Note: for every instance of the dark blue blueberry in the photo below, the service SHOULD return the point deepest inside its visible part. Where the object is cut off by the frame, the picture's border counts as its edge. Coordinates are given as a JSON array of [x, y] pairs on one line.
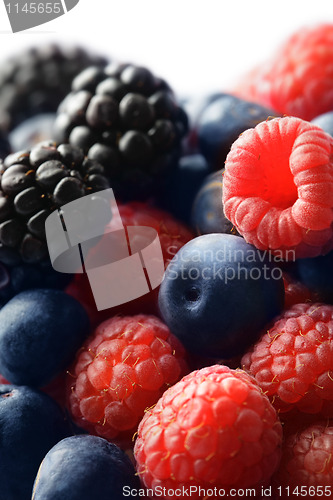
[[183, 185], [194, 107], [85, 468], [207, 214], [222, 122], [325, 121], [30, 424], [40, 332], [218, 293], [317, 275]]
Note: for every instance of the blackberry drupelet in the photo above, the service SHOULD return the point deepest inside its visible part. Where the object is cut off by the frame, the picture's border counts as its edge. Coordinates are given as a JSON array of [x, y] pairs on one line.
[[127, 119], [35, 81], [33, 184]]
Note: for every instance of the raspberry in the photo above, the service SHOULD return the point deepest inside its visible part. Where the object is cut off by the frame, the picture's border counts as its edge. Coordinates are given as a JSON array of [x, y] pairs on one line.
[[278, 187], [295, 292], [172, 234], [298, 81], [122, 369], [292, 362], [214, 428], [306, 461]]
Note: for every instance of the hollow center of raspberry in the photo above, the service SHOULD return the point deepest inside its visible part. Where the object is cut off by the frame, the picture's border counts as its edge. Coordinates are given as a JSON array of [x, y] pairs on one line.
[[278, 183]]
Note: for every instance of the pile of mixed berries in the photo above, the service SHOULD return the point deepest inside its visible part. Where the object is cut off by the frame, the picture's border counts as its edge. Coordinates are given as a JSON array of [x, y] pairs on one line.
[[218, 381]]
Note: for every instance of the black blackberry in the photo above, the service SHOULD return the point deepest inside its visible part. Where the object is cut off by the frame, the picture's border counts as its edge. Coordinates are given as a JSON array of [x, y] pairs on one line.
[[33, 184], [127, 119], [37, 80]]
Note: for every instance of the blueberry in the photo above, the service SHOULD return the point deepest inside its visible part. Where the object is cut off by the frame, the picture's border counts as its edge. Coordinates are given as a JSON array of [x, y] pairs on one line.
[[207, 211], [31, 423], [85, 468], [218, 293], [325, 121], [222, 121], [183, 185], [195, 105], [40, 331], [317, 275]]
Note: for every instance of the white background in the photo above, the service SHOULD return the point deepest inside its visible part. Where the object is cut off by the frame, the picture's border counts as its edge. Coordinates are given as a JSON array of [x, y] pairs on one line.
[[198, 46]]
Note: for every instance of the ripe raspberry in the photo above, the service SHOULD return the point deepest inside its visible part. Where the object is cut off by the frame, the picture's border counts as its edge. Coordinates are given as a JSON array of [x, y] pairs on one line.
[[278, 187], [172, 234], [306, 461], [293, 361], [298, 80], [295, 292], [122, 369], [214, 428]]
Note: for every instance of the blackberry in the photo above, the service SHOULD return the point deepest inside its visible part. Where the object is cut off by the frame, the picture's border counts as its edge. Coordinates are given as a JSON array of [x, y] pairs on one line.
[[127, 119], [34, 183], [38, 79]]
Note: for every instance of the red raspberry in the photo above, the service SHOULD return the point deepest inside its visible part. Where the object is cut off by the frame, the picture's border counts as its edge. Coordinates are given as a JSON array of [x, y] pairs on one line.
[[298, 80], [295, 292], [293, 361], [122, 369], [306, 465], [278, 187], [214, 428], [172, 234]]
